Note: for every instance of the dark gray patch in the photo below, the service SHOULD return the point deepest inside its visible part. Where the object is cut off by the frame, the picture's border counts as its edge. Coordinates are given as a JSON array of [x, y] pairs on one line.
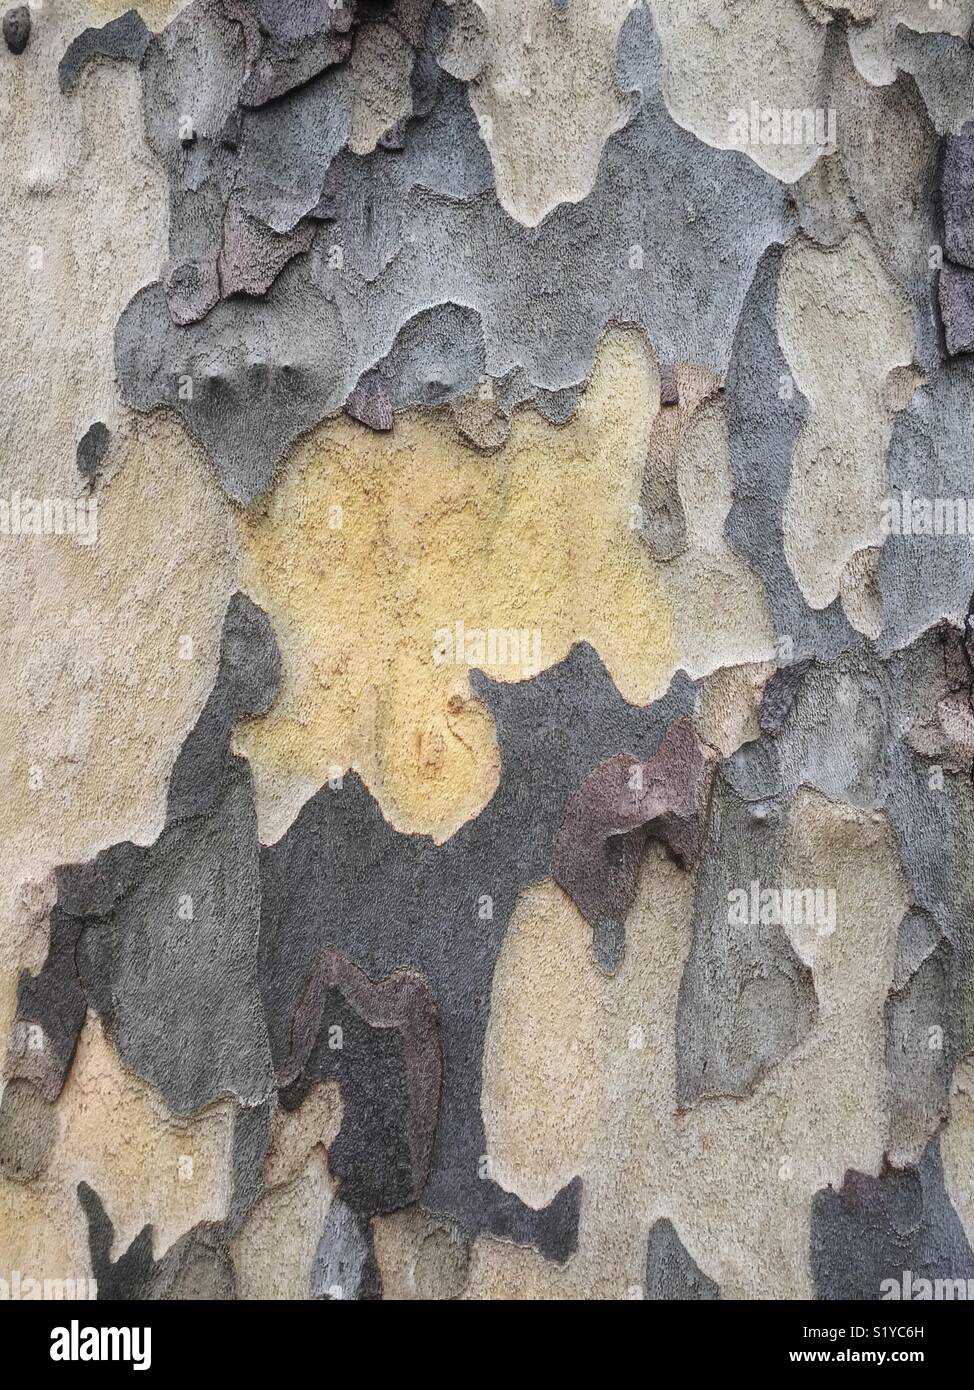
[[897, 205], [341, 871], [942, 65], [608, 943], [957, 189], [516, 389], [437, 356], [916, 941], [671, 1272], [874, 1229], [779, 693], [754, 772], [122, 40], [288, 147], [924, 579], [247, 681], [837, 733], [91, 451], [252, 256], [463, 52], [172, 969], [933, 817], [388, 1067], [669, 391], [957, 308], [51, 1009], [345, 1266], [131, 1276], [251, 1132], [282, 67], [244, 383], [746, 999], [919, 1054], [16, 28]]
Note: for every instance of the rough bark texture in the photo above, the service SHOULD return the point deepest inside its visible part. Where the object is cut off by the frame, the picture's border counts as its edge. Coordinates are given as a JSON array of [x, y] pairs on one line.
[[487, 719]]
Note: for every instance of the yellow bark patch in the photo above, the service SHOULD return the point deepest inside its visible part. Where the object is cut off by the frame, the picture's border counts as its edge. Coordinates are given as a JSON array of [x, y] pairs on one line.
[[156, 13], [373, 547]]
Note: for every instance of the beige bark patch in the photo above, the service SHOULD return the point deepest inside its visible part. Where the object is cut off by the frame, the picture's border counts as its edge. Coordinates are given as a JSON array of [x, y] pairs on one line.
[[729, 703], [844, 327], [547, 100], [156, 13], [420, 1256], [295, 1133], [99, 691], [872, 45], [736, 1177], [860, 592], [115, 1133], [381, 65], [957, 1147], [720, 56], [274, 1251], [721, 607], [537, 1118]]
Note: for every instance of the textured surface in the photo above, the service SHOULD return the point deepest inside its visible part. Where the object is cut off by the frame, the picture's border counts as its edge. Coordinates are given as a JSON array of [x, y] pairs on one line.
[[488, 708]]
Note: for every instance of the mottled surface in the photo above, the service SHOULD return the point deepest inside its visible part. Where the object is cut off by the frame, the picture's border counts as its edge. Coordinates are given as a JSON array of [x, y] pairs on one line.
[[488, 700]]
